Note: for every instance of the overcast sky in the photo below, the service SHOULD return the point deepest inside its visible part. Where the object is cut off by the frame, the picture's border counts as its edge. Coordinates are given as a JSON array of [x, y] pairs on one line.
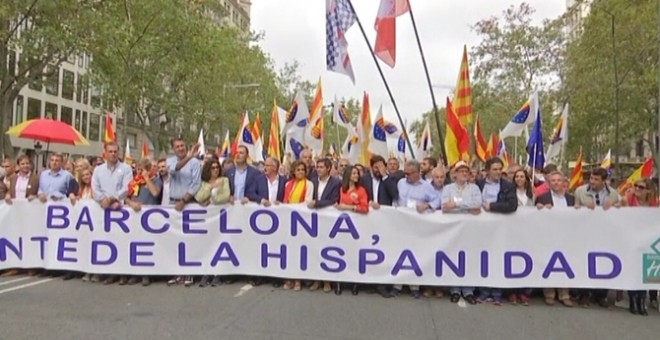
[[295, 30]]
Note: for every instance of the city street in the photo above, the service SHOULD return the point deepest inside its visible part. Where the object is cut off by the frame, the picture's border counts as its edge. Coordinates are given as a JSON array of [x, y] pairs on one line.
[[49, 308]]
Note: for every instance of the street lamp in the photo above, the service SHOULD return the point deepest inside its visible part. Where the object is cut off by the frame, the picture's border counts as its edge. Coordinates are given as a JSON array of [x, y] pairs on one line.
[[37, 150]]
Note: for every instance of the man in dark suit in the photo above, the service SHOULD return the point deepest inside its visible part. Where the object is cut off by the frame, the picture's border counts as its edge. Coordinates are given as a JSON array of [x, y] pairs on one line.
[[557, 197], [498, 195], [381, 188], [244, 180], [326, 187], [272, 183]]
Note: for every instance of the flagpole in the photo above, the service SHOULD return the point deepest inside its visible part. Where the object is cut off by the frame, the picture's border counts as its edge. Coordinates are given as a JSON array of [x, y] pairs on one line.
[[382, 76], [428, 81]]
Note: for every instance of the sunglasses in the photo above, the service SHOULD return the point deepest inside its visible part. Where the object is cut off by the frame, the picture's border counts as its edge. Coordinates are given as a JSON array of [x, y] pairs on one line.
[[597, 199], [640, 187], [215, 167]]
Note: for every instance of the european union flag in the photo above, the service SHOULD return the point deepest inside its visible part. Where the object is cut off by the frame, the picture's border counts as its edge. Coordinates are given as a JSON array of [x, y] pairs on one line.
[[401, 144], [247, 136], [535, 144], [296, 147], [521, 116]]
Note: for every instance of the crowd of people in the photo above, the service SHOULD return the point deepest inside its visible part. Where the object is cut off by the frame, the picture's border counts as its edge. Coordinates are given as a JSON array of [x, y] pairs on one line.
[[323, 183]]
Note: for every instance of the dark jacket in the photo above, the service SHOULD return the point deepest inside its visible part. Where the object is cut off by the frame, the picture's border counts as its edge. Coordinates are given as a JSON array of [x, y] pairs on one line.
[[263, 186], [387, 190], [252, 179], [507, 200], [546, 199], [330, 195]]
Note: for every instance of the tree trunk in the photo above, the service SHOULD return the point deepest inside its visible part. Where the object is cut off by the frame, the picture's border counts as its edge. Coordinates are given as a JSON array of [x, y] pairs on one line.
[[6, 103]]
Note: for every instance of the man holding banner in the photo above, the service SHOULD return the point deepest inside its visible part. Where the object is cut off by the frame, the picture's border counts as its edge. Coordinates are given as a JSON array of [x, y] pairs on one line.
[[185, 175]]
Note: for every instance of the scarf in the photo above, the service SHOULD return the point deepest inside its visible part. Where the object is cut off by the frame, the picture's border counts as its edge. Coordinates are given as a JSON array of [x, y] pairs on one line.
[[295, 190], [134, 185]]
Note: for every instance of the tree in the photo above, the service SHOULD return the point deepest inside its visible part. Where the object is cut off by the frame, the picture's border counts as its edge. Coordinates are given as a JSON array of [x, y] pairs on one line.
[[623, 33], [45, 34]]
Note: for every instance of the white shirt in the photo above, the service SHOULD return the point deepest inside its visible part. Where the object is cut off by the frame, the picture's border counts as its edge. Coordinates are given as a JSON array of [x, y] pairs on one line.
[[21, 185], [522, 197], [375, 184], [166, 192], [558, 200], [272, 188], [321, 188]]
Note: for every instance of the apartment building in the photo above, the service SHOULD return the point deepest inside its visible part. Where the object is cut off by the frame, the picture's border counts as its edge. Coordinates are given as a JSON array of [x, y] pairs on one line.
[[68, 96]]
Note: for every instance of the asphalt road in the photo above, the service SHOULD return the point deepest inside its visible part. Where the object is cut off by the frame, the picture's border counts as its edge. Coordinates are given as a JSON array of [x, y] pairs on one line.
[[43, 308]]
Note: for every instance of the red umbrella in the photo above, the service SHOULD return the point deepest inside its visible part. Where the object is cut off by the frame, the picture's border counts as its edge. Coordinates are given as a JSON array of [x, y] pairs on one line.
[[48, 130]]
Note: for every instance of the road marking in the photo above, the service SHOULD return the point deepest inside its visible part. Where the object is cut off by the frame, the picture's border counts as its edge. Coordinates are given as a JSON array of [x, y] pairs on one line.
[[14, 280], [24, 286], [242, 291]]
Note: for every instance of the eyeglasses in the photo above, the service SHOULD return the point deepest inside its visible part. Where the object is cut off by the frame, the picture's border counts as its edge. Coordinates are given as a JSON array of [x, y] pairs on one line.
[[640, 187], [408, 173], [215, 167]]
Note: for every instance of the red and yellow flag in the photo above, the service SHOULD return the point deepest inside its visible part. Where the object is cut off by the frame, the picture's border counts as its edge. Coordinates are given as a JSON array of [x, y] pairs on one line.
[[457, 140], [145, 149], [493, 149], [463, 92], [365, 120], [317, 103], [109, 135], [576, 175], [645, 170], [234, 145], [274, 136], [481, 147]]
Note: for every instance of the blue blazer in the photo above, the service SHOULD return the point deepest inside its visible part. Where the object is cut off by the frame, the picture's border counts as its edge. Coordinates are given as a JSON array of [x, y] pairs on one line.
[[252, 179], [263, 186], [330, 194]]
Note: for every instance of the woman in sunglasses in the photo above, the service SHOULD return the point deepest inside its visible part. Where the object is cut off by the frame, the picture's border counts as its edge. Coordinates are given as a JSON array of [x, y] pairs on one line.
[[644, 195]]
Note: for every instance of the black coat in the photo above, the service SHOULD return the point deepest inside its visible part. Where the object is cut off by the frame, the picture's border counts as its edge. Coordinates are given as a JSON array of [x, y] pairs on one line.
[[330, 194], [507, 200], [387, 191], [546, 199]]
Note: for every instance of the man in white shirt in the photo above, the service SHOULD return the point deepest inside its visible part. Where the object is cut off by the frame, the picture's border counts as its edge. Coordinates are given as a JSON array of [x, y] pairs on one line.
[[273, 182]]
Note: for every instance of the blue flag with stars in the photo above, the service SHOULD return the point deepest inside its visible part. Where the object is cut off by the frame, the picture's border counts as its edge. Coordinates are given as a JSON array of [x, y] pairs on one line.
[[535, 144]]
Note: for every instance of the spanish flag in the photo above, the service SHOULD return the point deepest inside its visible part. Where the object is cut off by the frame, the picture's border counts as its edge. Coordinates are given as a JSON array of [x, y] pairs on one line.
[[109, 135], [365, 123], [224, 150], [457, 140], [463, 92], [145, 149], [645, 170], [576, 175], [274, 136], [481, 147]]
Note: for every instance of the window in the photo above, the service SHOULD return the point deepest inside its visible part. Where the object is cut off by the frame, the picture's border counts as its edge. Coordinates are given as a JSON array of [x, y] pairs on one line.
[[76, 121], [18, 116], [67, 84], [639, 148], [94, 127], [83, 125], [36, 84], [66, 115], [96, 97], [12, 62], [53, 81], [33, 108], [51, 111], [85, 90], [79, 87]]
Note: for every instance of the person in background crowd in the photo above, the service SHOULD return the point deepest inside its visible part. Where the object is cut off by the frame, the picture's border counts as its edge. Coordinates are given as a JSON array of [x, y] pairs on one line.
[[99, 161], [259, 166], [381, 189], [497, 196], [645, 195], [343, 164], [161, 166], [473, 176], [524, 191], [545, 186], [360, 169], [80, 165], [285, 167], [415, 193], [3, 186], [556, 196], [334, 171], [54, 182], [244, 180], [297, 190], [214, 190], [354, 198], [9, 165], [462, 197], [593, 194], [394, 169], [511, 171], [110, 184], [68, 166], [144, 189], [227, 164], [438, 179], [306, 157], [426, 166], [185, 179], [325, 194]]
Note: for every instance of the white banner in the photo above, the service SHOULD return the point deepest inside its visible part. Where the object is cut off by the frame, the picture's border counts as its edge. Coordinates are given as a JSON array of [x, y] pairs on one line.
[[617, 249]]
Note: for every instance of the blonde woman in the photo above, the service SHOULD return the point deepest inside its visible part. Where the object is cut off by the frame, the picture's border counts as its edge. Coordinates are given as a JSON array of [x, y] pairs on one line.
[[297, 190]]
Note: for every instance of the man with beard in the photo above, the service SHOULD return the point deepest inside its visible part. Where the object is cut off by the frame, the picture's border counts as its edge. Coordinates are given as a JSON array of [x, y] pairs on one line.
[[381, 188], [426, 166], [161, 167]]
